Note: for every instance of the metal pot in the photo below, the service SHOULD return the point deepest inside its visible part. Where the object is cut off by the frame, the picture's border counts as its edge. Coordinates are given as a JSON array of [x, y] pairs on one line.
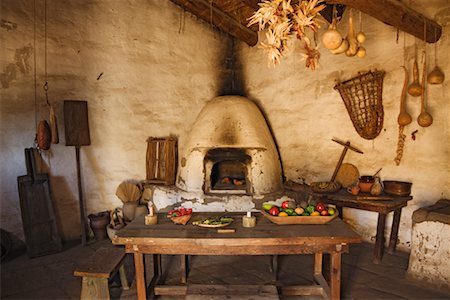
[[397, 188]]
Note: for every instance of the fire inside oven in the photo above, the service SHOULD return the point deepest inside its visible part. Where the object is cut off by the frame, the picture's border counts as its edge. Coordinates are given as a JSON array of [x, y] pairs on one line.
[[229, 170]]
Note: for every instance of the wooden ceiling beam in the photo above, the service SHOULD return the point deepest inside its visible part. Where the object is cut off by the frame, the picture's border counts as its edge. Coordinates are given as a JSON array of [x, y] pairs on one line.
[[204, 10], [397, 14]]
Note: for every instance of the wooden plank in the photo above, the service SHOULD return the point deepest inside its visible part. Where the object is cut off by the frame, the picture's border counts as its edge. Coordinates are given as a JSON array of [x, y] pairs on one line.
[[397, 14], [320, 280], [210, 13], [76, 123], [102, 264], [36, 206], [190, 249], [305, 290], [261, 291]]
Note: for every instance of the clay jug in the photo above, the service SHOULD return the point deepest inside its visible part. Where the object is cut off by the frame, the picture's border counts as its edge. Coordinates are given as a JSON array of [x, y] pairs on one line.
[[376, 187], [98, 224]]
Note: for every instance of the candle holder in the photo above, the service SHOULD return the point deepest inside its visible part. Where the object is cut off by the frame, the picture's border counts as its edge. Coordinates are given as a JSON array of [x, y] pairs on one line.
[[249, 220], [151, 220]]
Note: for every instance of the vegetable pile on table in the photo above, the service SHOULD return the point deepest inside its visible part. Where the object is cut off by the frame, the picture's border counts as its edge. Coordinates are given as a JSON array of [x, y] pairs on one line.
[[179, 212], [290, 208]]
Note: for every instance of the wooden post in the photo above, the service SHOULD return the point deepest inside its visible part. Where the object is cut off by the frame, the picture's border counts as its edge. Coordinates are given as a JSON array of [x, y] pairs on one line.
[[335, 276], [140, 276], [394, 231], [81, 200], [94, 288], [379, 241]]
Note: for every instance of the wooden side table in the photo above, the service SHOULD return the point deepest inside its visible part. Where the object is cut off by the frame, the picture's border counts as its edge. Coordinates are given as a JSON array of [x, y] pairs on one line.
[[383, 204]]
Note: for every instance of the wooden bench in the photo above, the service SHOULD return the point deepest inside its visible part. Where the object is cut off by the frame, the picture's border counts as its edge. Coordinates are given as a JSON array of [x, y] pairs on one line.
[[96, 272]]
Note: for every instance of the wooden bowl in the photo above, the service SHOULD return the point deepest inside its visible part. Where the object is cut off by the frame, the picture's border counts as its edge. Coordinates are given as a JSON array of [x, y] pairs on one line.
[[397, 188], [181, 219], [290, 220]]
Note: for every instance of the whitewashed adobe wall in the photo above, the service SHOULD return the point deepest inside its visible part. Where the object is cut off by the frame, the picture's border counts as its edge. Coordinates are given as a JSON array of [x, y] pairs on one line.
[[146, 68], [305, 113]]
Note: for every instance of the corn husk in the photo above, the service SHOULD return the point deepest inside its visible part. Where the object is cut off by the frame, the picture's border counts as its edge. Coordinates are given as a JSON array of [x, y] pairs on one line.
[[128, 192]]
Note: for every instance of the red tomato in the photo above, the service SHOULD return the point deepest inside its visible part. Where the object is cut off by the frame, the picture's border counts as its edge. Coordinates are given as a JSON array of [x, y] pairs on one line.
[[285, 204], [274, 211], [324, 212], [321, 207]]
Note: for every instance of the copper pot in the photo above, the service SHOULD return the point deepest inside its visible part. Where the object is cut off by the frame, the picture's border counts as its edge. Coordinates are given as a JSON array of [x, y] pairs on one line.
[[397, 188]]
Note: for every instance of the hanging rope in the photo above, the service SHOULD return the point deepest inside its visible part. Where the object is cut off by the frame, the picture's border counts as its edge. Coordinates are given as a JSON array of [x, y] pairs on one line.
[[34, 65], [45, 53]]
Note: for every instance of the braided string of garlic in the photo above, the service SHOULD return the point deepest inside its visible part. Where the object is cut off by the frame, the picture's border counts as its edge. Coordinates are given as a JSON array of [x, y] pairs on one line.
[[400, 145]]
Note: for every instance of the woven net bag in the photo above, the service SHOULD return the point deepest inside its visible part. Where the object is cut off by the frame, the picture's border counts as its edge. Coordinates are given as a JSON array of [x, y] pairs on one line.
[[362, 96]]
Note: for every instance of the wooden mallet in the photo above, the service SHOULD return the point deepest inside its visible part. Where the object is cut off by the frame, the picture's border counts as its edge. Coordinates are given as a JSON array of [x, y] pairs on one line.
[[341, 159]]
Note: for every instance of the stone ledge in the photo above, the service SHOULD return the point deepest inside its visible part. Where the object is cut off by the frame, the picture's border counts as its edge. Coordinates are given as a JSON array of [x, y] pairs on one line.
[[438, 212]]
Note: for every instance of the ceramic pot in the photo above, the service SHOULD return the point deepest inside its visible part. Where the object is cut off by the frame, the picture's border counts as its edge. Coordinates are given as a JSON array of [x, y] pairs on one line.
[[141, 210], [128, 210], [98, 224], [366, 183]]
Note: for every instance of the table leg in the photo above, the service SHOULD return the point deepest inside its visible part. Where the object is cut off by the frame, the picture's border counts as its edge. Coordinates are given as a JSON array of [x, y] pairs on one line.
[[379, 241], [184, 268], [394, 231], [335, 275], [140, 275], [341, 212], [318, 259]]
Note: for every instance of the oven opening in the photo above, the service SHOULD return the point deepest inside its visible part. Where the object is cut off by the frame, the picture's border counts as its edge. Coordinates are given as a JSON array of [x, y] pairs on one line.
[[227, 171]]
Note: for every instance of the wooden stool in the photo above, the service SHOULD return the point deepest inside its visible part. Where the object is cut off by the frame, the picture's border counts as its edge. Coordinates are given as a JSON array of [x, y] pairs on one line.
[[101, 266]]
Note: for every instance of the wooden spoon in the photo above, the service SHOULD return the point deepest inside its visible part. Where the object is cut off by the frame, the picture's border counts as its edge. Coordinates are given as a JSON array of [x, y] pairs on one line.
[[424, 119], [404, 118]]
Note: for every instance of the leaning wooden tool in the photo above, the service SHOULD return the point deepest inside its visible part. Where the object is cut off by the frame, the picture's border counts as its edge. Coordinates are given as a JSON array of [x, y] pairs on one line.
[[344, 152], [76, 127]]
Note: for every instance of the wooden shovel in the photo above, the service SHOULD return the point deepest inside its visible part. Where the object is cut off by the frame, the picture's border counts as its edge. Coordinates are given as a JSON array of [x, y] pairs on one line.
[[76, 127]]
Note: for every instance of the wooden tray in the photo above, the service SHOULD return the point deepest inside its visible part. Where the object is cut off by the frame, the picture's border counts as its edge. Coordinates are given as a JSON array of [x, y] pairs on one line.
[[299, 219]]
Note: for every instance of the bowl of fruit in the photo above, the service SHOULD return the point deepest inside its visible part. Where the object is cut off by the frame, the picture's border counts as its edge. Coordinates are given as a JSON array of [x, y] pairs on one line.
[[305, 213], [180, 215]]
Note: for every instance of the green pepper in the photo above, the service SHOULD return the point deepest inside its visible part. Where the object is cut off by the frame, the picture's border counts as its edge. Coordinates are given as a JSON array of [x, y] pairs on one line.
[[310, 208]]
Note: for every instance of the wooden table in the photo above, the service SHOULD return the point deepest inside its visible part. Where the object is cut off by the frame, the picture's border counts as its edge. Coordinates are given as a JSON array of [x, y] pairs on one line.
[[383, 204], [264, 239]]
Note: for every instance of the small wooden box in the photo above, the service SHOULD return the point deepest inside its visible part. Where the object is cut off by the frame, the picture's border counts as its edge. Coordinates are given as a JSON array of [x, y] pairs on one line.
[[161, 160]]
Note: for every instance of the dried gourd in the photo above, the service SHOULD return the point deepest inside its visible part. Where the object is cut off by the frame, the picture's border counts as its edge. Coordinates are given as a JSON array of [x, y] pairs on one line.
[[43, 135], [342, 48], [415, 89], [332, 39], [404, 118], [352, 42]]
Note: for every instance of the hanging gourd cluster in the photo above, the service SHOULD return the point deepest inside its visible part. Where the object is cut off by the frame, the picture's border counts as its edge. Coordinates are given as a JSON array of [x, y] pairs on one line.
[[351, 44], [283, 22], [416, 89]]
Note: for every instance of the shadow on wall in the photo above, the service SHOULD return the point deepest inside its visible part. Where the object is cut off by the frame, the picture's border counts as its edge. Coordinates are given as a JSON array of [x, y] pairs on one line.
[[232, 82]]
